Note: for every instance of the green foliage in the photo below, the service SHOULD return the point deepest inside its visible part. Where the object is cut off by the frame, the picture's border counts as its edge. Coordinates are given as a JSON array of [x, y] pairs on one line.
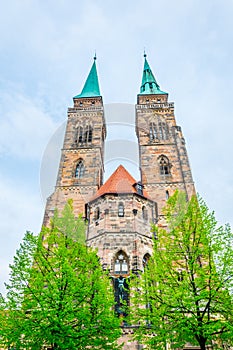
[[12, 316], [185, 293], [68, 224], [58, 295]]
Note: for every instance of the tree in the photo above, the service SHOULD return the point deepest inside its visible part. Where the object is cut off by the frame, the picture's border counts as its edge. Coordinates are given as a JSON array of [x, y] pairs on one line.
[[58, 295], [185, 292]]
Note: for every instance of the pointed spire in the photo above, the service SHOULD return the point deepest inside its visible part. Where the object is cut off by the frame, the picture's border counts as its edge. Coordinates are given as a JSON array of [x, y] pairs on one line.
[[149, 84], [91, 86]]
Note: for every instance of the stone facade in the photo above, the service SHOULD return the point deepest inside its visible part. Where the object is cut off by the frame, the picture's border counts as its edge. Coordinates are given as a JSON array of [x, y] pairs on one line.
[[163, 159], [121, 211], [84, 141], [131, 232]]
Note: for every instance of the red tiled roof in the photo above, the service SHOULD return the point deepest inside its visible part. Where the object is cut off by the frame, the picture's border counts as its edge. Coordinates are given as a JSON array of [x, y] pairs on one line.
[[119, 182]]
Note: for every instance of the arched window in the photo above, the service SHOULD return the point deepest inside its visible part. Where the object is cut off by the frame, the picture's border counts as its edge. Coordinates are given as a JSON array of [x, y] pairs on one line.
[[153, 132], [167, 195], [84, 135], [160, 130], [145, 260], [121, 263], [88, 134], [164, 165], [121, 210], [79, 171], [144, 213], [163, 131], [80, 135]]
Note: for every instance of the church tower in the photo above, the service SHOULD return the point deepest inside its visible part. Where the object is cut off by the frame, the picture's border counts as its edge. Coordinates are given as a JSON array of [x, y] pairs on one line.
[[82, 158], [120, 211], [163, 158]]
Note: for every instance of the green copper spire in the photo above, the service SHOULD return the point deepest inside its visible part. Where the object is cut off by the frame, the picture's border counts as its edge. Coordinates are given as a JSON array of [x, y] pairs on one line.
[[91, 86], [149, 84]]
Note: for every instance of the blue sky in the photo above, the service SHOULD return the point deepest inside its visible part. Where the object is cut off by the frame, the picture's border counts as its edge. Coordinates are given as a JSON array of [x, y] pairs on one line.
[[46, 50]]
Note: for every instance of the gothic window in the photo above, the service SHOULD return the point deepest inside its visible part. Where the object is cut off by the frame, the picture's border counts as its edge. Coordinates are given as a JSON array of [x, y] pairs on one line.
[[144, 213], [160, 131], [84, 135], [121, 264], [80, 135], [164, 165], [163, 131], [79, 171], [88, 134], [121, 210], [153, 132], [167, 195], [145, 260]]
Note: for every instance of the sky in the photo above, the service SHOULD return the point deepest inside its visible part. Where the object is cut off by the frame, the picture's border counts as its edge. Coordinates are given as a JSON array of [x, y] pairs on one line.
[[46, 51]]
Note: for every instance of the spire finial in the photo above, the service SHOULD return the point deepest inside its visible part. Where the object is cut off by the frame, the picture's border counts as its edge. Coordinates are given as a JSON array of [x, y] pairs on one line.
[[95, 56], [145, 52]]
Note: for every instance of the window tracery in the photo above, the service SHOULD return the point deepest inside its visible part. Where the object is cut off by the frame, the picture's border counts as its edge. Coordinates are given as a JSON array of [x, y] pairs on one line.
[[121, 264], [153, 131], [84, 135], [164, 165], [79, 171], [158, 130]]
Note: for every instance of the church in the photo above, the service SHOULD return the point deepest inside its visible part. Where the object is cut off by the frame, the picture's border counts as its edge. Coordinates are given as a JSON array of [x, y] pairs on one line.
[[120, 211]]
